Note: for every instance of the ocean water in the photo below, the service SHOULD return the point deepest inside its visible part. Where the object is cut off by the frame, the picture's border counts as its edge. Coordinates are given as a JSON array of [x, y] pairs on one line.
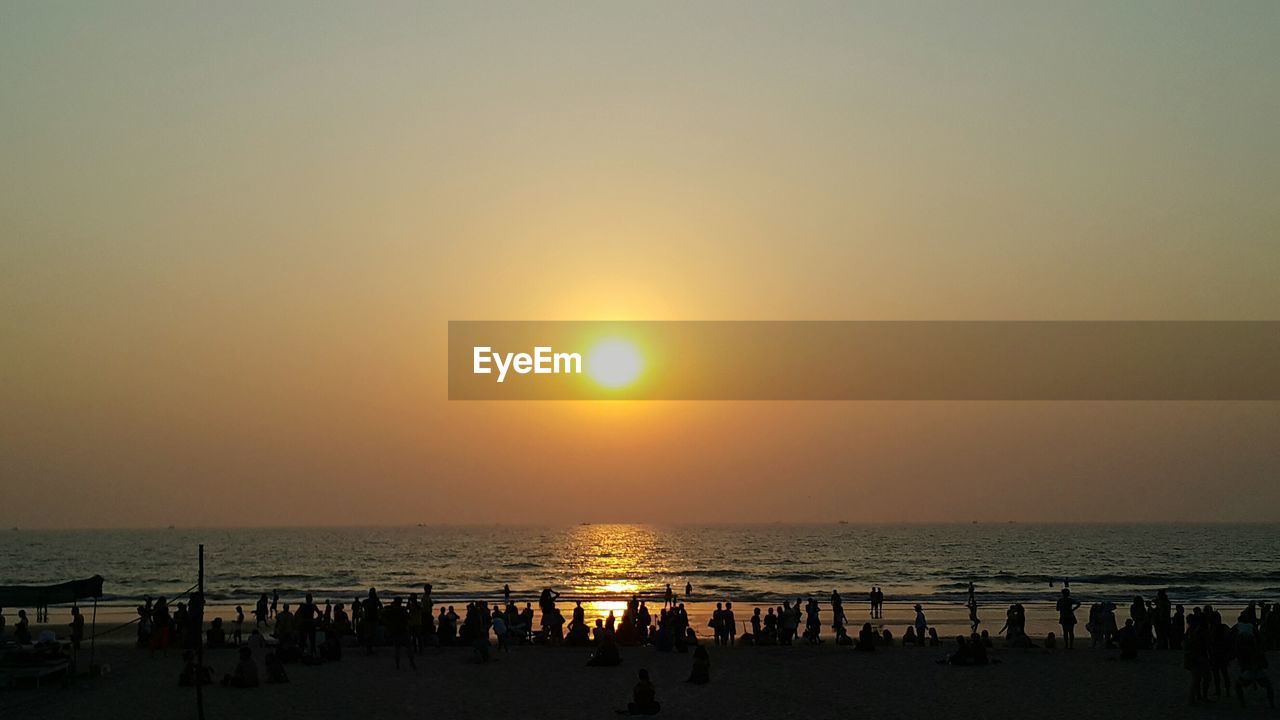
[[1228, 564]]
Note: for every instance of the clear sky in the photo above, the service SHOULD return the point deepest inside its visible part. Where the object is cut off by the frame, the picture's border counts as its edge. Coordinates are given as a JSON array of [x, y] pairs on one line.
[[232, 234]]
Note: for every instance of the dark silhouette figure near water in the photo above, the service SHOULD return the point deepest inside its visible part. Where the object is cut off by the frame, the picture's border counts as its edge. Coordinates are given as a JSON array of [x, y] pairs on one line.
[[370, 616], [1067, 607], [261, 611]]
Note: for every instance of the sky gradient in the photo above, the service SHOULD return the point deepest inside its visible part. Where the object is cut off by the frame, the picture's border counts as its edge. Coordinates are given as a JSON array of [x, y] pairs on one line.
[[232, 235]]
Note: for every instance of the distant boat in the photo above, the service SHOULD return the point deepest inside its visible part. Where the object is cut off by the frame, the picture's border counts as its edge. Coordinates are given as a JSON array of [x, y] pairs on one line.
[[843, 522], [584, 523], [170, 527]]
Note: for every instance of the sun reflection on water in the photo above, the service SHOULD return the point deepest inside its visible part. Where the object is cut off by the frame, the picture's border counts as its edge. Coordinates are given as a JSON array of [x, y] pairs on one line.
[[612, 562]]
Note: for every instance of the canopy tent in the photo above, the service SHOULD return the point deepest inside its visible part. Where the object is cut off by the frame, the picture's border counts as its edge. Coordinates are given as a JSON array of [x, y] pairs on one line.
[[40, 596]]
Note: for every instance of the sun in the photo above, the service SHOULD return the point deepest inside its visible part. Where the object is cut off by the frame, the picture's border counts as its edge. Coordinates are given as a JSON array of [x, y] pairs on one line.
[[614, 363]]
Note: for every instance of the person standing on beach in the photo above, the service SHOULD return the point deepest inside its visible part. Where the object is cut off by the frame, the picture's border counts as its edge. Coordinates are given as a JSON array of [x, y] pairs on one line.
[[275, 601], [1067, 607], [77, 629], [921, 624], [506, 594], [397, 621], [730, 624], [688, 590], [260, 613], [972, 604], [160, 626], [371, 609], [306, 622], [668, 597]]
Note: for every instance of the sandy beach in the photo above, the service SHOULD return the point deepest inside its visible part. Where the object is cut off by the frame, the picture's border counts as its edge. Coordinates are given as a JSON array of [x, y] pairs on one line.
[[747, 682]]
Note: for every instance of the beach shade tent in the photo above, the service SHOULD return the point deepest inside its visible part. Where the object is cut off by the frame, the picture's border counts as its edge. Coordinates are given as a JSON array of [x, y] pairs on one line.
[[41, 597]]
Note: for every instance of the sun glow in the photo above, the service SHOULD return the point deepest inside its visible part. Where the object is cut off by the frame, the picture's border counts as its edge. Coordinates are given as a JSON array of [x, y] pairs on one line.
[[614, 363]]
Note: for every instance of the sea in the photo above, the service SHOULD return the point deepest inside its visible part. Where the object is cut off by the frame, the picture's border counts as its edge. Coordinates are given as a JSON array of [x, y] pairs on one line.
[[605, 563]]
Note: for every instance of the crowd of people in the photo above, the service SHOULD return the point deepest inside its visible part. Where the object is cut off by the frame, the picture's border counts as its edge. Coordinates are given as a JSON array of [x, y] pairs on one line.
[[311, 633]]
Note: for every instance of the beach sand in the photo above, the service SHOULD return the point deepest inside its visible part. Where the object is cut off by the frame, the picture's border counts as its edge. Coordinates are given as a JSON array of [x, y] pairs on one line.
[[747, 682]]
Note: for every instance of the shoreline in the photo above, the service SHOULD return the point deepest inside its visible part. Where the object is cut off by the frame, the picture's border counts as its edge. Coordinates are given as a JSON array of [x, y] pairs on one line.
[[949, 619]]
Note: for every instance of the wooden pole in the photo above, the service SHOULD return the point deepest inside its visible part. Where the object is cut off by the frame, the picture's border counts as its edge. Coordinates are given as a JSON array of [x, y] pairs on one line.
[[199, 629], [94, 637]]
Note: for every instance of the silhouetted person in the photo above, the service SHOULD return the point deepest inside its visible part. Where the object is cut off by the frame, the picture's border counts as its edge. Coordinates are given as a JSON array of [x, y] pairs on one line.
[[606, 654], [1253, 662], [644, 699], [370, 615], [191, 674], [305, 619], [701, 672], [77, 629], [1067, 607], [260, 612], [1128, 640], [866, 638], [730, 624], [1195, 657], [396, 619], [246, 672]]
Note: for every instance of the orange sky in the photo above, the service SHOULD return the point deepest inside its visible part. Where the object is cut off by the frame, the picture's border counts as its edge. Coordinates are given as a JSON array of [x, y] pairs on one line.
[[232, 241]]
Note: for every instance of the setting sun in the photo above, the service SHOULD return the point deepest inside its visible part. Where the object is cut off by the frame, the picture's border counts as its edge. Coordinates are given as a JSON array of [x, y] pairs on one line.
[[614, 363]]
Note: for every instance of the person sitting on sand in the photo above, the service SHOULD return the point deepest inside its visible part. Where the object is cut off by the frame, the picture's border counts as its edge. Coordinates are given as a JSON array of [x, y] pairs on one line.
[[770, 629], [1128, 638], [886, 638], [935, 641], [1050, 641], [866, 638], [606, 654], [969, 651], [909, 637], [187, 678], [246, 674], [701, 672], [215, 637], [643, 697], [275, 669]]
